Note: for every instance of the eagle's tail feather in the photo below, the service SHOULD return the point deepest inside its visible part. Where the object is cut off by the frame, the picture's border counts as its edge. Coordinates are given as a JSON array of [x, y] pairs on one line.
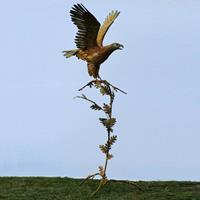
[[70, 53]]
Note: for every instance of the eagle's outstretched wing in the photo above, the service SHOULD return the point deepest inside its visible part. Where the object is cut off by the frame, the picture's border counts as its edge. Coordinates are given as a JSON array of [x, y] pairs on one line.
[[104, 28], [88, 27]]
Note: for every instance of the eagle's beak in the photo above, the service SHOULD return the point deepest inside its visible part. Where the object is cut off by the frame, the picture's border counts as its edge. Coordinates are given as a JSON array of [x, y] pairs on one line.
[[121, 47]]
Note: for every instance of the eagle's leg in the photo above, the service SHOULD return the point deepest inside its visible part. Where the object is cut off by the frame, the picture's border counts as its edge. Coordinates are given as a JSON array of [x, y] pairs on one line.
[[98, 77]]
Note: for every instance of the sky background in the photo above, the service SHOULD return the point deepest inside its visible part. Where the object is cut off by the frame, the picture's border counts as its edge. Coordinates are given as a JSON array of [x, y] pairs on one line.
[[45, 132]]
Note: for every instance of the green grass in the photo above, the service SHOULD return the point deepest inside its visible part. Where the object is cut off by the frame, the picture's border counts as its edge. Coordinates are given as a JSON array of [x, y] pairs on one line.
[[42, 188]]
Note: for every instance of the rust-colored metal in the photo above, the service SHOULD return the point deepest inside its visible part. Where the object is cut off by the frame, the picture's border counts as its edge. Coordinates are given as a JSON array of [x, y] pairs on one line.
[[89, 38]]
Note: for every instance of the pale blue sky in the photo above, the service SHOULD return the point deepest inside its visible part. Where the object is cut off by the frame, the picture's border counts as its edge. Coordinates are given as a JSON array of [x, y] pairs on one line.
[[45, 132]]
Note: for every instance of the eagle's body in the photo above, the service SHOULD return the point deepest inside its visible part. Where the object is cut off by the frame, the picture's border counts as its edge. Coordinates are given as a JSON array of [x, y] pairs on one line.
[[96, 55], [90, 37]]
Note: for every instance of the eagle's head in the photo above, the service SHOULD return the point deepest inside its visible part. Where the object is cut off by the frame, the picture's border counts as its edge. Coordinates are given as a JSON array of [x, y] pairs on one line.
[[117, 46]]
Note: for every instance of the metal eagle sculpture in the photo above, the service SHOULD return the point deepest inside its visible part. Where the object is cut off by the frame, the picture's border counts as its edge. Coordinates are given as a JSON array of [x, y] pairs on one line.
[[89, 38]]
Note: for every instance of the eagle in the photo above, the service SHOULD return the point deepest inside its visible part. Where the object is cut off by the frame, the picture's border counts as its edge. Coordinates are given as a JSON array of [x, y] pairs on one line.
[[89, 38]]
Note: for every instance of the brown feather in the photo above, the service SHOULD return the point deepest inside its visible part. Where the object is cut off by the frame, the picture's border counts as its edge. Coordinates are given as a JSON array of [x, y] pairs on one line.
[[88, 27], [93, 70]]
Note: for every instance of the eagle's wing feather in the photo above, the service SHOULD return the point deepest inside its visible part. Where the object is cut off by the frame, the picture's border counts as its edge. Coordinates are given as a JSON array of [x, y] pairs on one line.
[[106, 25], [88, 27]]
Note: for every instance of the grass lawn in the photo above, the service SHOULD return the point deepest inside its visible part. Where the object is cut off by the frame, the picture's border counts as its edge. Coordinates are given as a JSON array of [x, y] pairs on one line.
[[44, 188]]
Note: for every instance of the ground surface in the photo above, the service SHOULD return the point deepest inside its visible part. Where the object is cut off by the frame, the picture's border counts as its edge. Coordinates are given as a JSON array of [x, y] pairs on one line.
[[39, 188]]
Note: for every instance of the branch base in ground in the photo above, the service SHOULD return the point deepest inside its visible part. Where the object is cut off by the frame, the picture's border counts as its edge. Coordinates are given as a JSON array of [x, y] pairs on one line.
[[104, 181]]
